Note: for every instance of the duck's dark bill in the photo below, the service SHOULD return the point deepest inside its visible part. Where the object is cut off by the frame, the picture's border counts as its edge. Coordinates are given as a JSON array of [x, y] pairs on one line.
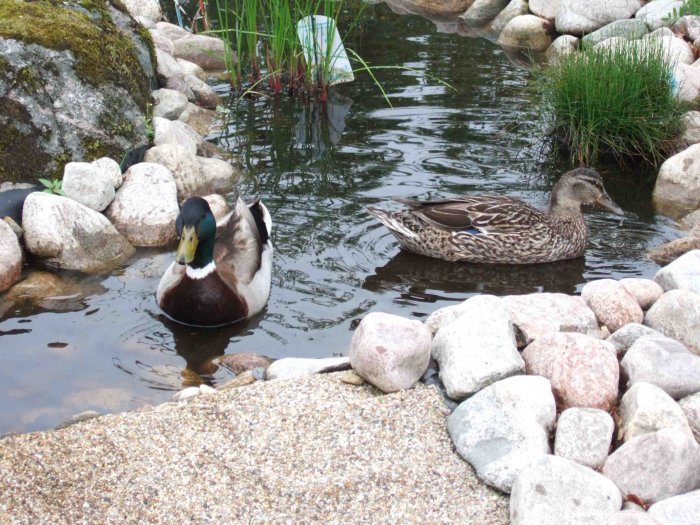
[[606, 202]]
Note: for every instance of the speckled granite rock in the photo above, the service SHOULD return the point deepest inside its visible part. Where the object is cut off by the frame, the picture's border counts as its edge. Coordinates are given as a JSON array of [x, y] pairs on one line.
[[656, 466], [553, 487], [584, 371], [584, 436]]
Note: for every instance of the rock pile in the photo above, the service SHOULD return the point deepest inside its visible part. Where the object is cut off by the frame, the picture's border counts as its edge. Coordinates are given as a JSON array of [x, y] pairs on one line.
[[105, 213], [516, 363]]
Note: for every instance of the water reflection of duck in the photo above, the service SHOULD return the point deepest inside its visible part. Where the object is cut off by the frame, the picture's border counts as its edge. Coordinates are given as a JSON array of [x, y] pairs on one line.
[[498, 229], [425, 279], [221, 273]]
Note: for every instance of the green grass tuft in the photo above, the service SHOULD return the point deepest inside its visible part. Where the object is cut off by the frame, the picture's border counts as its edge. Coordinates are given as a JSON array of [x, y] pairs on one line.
[[615, 100]]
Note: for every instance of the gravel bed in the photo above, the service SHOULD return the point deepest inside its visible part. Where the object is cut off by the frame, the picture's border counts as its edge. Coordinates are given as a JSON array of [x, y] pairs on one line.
[[310, 450]]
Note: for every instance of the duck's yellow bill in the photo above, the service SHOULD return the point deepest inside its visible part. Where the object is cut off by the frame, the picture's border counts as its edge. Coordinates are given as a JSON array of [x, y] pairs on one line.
[[188, 245]]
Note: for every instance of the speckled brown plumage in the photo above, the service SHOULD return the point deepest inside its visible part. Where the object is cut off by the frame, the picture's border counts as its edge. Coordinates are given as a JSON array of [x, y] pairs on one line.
[[498, 229]]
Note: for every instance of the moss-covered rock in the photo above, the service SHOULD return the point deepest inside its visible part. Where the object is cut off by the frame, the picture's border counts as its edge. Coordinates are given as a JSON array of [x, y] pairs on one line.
[[75, 82]]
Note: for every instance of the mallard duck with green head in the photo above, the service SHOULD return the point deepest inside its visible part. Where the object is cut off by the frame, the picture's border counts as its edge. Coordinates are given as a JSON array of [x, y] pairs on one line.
[[222, 272], [499, 229]]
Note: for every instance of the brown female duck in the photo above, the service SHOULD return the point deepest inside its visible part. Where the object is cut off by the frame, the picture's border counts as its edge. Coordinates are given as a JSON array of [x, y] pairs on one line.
[[496, 229]]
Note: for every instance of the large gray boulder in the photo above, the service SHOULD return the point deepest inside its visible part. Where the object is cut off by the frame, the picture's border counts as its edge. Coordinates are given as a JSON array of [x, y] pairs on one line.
[[577, 17], [184, 168], [504, 427], [678, 182], [171, 31], [445, 315], [663, 362], [71, 236], [513, 9], [658, 13], [554, 490], [217, 175], [483, 11], [205, 51], [527, 32], [627, 28], [168, 103], [625, 337], [691, 408], [202, 93], [688, 26], [148, 9], [584, 371], [688, 78], [676, 315], [437, 10], [656, 466], [478, 348], [584, 436], [293, 367], [175, 133], [162, 42], [390, 351], [681, 274], [561, 47], [10, 257], [145, 207], [79, 96], [87, 184], [537, 314], [545, 8], [111, 168], [630, 517], [678, 510], [675, 50], [646, 408], [645, 291], [190, 68], [691, 221]]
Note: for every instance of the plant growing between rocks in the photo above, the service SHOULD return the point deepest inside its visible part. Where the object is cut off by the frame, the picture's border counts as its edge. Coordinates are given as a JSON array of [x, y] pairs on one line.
[[52, 186], [612, 101], [689, 8]]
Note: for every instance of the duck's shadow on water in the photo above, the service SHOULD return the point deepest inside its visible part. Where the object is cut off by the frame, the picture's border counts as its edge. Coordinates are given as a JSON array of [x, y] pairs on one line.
[[425, 279], [197, 346]]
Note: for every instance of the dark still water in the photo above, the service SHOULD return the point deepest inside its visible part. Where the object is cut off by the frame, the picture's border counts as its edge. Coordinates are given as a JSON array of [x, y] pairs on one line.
[[104, 345]]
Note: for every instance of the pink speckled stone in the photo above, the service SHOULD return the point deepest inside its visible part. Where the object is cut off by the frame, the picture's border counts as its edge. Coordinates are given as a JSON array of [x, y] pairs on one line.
[[584, 371]]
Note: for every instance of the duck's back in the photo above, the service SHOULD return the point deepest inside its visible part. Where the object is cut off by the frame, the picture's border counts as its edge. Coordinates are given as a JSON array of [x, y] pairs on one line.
[[486, 229]]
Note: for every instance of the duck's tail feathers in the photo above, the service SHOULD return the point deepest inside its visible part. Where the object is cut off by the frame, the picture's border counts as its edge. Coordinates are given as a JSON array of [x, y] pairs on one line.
[[262, 217], [393, 222], [412, 203]]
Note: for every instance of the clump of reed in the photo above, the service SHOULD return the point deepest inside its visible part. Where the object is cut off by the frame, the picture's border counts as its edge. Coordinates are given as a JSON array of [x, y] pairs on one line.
[[615, 100], [263, 49]]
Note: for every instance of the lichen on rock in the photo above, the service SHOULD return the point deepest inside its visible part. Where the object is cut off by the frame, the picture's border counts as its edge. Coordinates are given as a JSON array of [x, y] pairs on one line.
[[75, 81]]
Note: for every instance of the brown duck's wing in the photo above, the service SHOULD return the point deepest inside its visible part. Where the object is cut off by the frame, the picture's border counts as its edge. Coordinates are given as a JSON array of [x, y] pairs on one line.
[[238, 247], [485, 213]]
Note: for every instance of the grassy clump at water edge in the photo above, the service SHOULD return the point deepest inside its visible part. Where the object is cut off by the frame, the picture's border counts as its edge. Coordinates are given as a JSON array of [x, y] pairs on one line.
[[264, 37], [613, 101]]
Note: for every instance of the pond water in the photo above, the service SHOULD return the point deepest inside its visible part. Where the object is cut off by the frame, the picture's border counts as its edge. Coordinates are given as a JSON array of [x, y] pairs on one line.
[[107, 347]]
